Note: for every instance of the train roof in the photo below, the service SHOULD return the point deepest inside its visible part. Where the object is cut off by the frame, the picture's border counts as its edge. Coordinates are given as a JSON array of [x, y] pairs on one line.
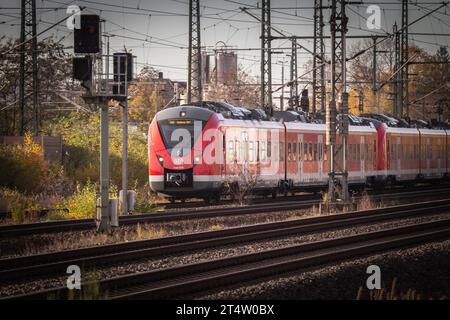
[[229, 111], [415, 131]]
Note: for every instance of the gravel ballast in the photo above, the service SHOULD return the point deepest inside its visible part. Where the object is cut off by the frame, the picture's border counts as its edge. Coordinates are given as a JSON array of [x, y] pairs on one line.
[[209, 254], [425, 268]]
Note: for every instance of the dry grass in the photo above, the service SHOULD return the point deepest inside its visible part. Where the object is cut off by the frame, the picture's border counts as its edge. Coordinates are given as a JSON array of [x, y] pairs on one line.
[[391, 294], [216, 227], [79, 239]]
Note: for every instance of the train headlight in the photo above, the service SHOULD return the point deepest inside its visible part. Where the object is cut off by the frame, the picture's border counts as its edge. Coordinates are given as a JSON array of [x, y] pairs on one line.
[[197, 159], [160, 160]]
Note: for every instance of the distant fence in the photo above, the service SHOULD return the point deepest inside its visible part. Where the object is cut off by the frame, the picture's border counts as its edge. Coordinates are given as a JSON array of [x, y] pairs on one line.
[[52, 146]]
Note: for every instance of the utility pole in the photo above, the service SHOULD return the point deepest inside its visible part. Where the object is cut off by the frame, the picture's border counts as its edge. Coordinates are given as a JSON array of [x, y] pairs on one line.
[[404, 61], [266, 58], [338, 175], [294, 80], [28, 90], [318, 101], [194, 85]]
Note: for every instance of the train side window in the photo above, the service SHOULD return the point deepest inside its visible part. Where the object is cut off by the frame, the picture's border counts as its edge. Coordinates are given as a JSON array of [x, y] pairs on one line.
[[300, 151], [358, 152], [315, 152], [281, 151], [320, 151], [250, 152], [263, 151], [309, 151], [269, 149], [257, 151], [325, 152], [305, 151], [289, 151], [238, 150], [294, 151], [230, 150]]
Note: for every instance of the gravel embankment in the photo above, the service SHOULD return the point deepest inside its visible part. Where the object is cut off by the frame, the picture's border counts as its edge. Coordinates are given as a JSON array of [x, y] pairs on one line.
[[209, 254], [425, 268]]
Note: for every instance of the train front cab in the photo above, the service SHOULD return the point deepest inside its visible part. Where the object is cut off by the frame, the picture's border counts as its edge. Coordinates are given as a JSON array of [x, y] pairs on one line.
[[182, 172]]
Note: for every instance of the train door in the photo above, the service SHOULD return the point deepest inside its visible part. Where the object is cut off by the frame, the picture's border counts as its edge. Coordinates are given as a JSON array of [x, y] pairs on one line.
[[362, 156], [320, 156], [300, 157]]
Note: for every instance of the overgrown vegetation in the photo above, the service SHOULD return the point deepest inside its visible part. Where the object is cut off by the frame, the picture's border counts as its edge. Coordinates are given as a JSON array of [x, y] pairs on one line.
[[31, 183], [23, 167], [82, 204]]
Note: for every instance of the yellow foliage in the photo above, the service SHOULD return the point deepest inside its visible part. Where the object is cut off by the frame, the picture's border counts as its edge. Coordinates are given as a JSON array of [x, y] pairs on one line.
[[82, 204]]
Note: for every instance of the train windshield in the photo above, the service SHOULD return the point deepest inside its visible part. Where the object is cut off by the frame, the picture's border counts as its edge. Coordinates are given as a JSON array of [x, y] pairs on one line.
[[180, 133]]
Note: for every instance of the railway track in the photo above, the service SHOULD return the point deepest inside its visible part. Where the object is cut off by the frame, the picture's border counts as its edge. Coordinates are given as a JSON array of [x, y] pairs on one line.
[[86, 224], [197, 277], [56, 263]]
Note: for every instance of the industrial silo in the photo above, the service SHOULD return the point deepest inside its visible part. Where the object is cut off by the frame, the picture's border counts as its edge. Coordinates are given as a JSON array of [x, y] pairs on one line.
[[205, 68], [226, 67]]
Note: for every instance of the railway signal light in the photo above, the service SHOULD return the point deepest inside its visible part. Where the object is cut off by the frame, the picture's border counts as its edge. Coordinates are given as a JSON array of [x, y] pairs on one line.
[[82, 70], [87, 37]]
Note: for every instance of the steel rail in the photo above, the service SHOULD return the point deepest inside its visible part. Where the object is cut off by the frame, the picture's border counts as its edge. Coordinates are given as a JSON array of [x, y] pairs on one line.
[[86, 224], [195, 277], [55, 263]]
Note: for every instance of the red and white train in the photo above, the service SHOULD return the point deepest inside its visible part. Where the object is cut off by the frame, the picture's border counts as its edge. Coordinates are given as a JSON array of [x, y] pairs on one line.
[[194, 152]]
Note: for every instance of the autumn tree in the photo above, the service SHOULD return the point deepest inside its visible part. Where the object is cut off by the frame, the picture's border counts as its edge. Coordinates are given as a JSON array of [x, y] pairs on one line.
[[141, 104], [54, 79], [245, 92]]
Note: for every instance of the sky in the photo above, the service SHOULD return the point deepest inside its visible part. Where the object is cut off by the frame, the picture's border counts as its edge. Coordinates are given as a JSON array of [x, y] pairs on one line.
[[156, 32]]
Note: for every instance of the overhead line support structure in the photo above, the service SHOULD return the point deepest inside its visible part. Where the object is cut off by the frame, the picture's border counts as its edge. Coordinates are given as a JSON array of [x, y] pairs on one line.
[[337, 118], [319, 93], [28, 89], [194, 85], [266, 58]]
